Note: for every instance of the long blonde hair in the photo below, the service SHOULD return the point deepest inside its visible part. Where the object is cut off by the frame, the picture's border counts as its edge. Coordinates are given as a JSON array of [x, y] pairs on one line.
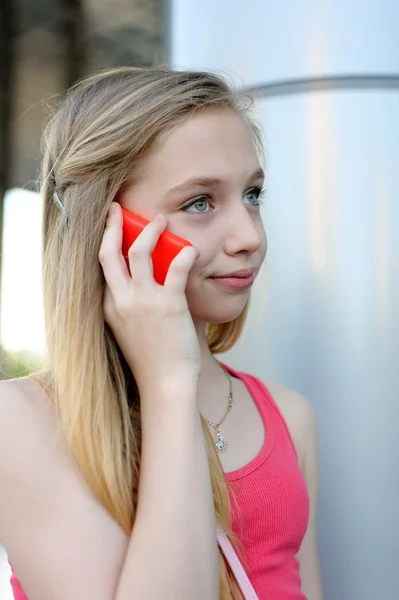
[[93, 147]]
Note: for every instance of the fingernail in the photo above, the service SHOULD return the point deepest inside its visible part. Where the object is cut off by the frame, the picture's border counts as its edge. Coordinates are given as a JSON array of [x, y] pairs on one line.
[[112, 209], [159, 218]]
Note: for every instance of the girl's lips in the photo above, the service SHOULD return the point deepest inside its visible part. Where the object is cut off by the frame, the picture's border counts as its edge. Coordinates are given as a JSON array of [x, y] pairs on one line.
[[242, 273], [238, 280]]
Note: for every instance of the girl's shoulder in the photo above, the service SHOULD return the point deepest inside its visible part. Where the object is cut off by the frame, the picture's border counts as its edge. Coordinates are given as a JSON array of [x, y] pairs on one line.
[[27, 425], [20, 390], [299, 416], [44, 498], [295, 409], [293, 405], [24, 408]]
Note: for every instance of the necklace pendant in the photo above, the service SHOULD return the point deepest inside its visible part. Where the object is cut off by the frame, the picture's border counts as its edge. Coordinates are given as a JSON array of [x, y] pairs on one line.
[[220, 441]]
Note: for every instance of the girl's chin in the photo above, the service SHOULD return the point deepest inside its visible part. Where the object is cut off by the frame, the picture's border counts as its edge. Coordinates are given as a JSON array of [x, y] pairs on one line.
[[220, 312]]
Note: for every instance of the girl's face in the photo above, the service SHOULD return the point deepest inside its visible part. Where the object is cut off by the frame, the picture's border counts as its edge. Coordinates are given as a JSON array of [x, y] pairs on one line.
[[205, 177]]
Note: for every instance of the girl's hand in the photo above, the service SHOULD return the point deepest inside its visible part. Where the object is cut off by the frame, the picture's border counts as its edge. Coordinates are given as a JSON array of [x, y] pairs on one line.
[[150, 322]]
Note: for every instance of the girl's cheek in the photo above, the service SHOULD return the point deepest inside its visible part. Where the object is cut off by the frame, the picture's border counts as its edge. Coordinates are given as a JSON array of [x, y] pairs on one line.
[[202, 260]]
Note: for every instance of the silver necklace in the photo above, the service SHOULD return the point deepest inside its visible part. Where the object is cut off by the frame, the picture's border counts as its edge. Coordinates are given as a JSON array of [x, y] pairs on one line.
[[219, 439]]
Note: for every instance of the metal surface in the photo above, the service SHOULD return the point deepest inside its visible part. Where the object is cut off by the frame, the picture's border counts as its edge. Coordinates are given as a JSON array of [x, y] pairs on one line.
[[323, 84], [329, 323]]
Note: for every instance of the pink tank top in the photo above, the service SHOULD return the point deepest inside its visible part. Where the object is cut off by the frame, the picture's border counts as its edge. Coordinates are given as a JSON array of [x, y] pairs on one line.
[[270, 508]]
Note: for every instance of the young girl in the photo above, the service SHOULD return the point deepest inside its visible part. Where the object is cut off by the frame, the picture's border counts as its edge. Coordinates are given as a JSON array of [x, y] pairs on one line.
[[120, 459]]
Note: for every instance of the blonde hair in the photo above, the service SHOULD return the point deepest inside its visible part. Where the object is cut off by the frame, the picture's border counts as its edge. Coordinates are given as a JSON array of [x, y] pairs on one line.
[[93, 147]]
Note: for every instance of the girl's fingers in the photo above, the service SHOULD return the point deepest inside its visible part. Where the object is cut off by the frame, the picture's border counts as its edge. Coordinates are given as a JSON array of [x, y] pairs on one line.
[[110, 256], [140, 251], [180, 267], [139, 257]]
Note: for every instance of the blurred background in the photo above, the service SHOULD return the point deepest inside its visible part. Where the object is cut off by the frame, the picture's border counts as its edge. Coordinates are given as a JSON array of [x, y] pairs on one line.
[[325, 316]]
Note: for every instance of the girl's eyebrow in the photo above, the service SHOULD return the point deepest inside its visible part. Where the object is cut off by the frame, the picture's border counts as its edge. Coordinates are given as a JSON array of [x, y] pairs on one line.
[[209, 182], [195, 182]]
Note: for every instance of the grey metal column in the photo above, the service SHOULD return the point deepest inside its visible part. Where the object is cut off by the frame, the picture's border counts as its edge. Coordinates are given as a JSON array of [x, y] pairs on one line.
[[326, 312]]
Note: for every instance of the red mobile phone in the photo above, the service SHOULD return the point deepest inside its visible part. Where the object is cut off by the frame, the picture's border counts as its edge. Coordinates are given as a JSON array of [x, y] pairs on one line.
[[168, 245]]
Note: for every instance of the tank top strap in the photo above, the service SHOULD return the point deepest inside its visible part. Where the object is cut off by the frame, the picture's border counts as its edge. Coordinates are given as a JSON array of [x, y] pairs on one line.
[[18, 592], [264, 401]]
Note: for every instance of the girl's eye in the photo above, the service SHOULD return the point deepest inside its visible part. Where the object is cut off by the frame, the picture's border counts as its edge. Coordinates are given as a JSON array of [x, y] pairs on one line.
[[199, 205], [203, 204], [253, 196]]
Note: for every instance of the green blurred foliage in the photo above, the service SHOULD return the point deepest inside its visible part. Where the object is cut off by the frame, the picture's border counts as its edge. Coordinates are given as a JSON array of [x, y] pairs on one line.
[[18, 364]]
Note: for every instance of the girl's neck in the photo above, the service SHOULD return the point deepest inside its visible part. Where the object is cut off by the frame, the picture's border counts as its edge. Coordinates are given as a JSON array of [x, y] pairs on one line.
[[213, 385], [208, 362]]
